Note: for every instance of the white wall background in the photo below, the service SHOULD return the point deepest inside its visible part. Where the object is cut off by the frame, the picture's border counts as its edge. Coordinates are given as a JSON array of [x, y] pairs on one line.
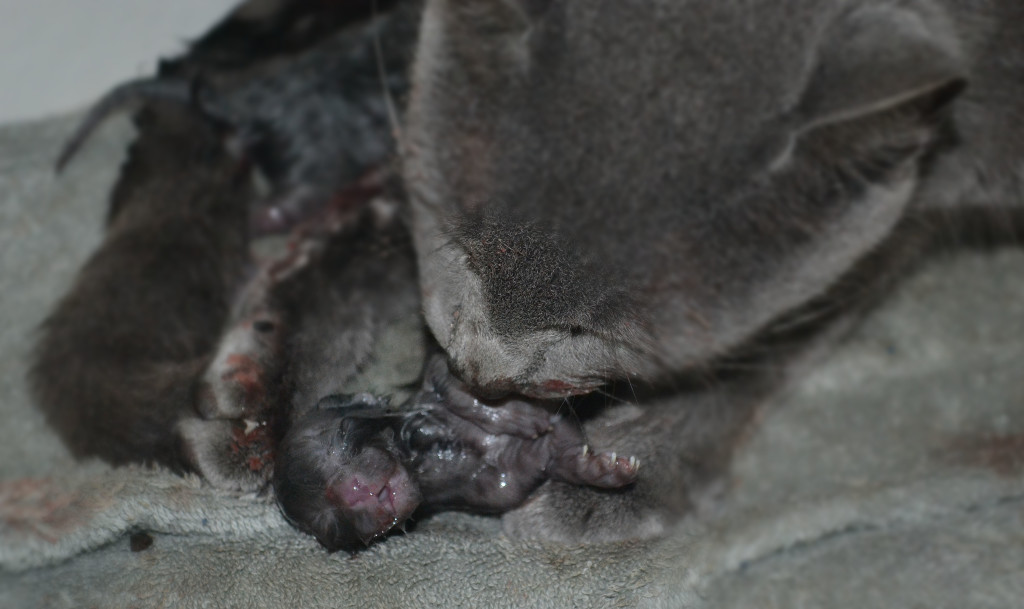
[[58, 55]]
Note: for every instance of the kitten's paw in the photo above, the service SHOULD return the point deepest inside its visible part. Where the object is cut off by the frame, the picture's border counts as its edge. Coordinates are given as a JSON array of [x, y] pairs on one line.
[[509, 417], [236, 384], [232, 455], [684, 449]]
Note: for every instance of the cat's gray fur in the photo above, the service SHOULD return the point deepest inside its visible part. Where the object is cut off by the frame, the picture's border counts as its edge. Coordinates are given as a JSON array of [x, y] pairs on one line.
[[633, 190]]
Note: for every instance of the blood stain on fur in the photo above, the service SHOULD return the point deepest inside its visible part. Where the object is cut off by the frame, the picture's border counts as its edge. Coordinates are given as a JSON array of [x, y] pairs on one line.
[[1001, 453]]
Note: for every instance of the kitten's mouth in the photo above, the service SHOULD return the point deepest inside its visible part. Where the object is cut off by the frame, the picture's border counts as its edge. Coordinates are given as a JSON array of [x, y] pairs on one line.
[[387, 499]]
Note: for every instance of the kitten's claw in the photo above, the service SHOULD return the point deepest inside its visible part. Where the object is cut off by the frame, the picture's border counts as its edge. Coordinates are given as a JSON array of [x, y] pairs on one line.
[[606, 470]]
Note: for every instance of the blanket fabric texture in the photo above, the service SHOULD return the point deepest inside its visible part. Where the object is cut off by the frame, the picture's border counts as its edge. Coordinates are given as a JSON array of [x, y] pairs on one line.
[[891, 475]]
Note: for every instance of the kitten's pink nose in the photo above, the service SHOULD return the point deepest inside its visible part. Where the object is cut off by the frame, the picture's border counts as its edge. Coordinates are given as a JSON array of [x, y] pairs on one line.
[[356, 493]]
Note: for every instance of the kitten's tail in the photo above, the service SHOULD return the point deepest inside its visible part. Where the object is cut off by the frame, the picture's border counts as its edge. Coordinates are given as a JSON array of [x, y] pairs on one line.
[[132, 94]]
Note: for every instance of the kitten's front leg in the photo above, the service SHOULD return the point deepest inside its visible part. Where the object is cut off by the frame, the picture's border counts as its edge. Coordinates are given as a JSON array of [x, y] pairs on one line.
[[511, 417], [684, 444]]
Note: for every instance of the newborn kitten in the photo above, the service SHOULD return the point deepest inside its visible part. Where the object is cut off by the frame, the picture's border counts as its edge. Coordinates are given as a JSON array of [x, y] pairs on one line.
[[173, 346], [117, 361], [312, 122], [354, 470]]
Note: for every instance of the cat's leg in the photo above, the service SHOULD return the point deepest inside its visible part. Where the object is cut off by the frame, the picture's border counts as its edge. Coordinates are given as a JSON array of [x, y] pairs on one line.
[[238, 395]]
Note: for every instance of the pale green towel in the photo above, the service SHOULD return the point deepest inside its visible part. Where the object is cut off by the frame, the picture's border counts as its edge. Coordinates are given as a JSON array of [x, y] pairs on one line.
[[890, 477]]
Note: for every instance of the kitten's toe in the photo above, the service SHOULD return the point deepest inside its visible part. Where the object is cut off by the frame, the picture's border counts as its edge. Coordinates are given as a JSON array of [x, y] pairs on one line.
[[271, 220], [606, 470]]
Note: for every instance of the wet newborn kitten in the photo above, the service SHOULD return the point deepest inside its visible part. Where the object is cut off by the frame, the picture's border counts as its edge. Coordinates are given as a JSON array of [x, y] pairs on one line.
[[355, 469]]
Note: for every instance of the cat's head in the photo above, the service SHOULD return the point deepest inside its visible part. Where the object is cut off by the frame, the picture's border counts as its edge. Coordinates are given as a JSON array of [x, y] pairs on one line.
[[615, 188]]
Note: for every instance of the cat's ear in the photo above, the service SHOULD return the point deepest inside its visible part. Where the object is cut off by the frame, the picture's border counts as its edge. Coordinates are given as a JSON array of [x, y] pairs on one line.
[[877, 59]]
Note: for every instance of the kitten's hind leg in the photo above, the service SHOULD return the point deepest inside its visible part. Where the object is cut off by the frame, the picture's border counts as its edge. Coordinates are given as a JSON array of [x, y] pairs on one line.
[[231, 455], [237, 384], [126, 95]]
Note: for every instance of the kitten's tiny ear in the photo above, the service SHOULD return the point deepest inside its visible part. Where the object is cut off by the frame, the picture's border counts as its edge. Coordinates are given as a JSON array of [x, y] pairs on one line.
[[879, 58]]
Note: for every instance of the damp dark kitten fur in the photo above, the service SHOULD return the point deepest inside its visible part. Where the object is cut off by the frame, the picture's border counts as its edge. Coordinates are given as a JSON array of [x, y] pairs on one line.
[[312, 120], [117, 361], [354, 469]]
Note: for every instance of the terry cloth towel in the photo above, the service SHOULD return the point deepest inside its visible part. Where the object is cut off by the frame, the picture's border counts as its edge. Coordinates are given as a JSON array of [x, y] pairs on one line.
[[891, 476]]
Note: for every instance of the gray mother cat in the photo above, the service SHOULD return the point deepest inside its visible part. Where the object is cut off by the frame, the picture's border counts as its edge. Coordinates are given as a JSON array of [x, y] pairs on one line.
[[639, 190]]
